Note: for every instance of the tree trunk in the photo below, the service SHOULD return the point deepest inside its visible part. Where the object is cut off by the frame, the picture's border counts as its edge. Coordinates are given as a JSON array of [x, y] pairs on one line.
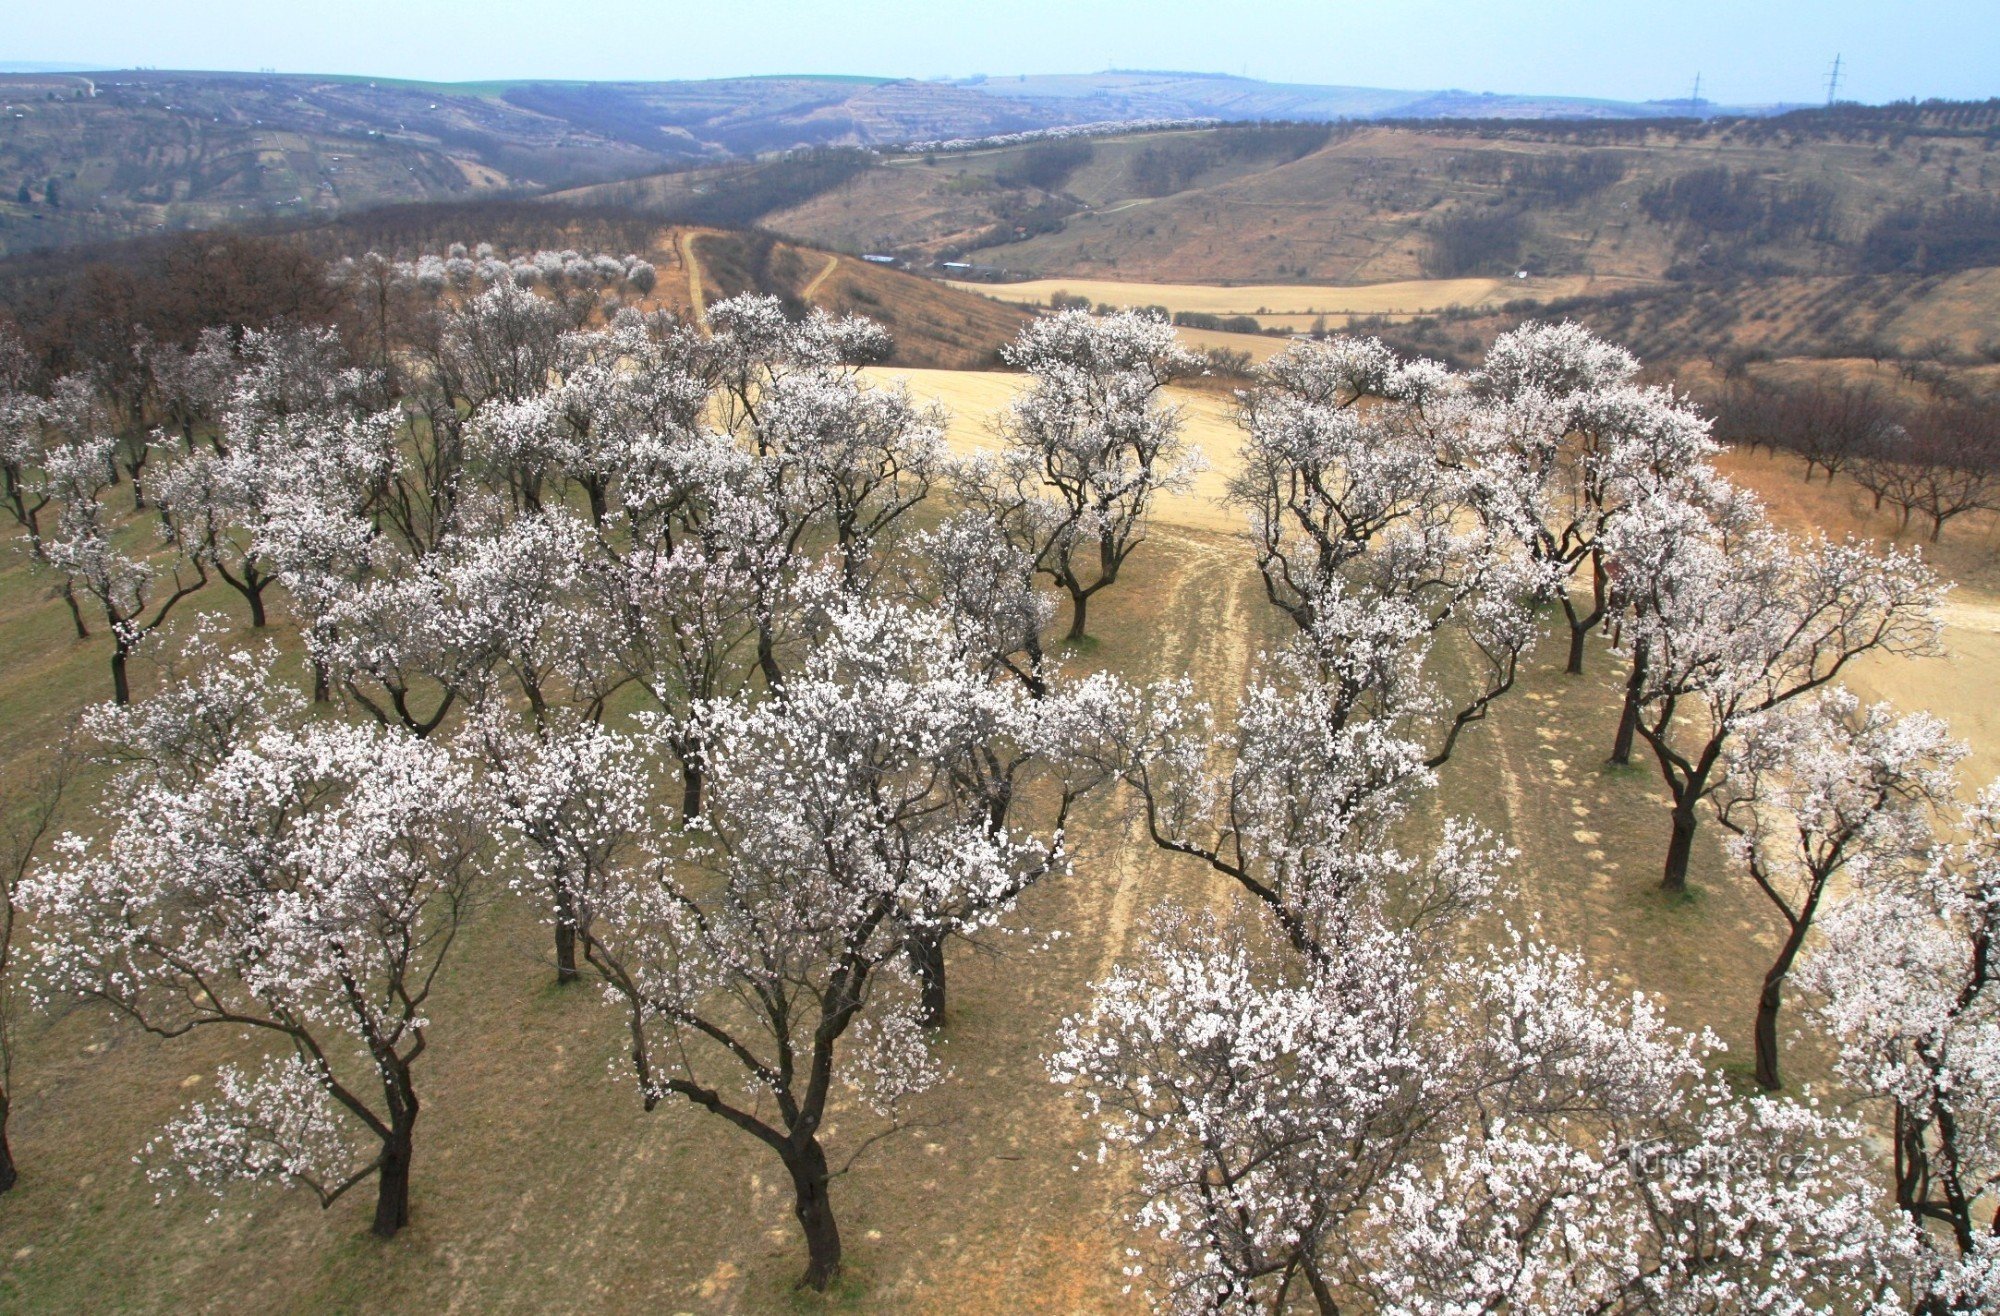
[[1681, 847], [1080, 602], [767, 657], [926, 953], [1768, 1005], [392, 1188], [1322, 1292], [255, 593], [566, 971], [1038, 684], [1628, 717], [121, 688], [814, 1209], [7, 1172], [691, 782], [1578, 633], [75, 612], [1772, 999]]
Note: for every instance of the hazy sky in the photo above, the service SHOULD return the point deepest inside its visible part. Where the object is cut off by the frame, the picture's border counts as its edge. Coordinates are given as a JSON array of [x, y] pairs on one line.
[[1746, 50]]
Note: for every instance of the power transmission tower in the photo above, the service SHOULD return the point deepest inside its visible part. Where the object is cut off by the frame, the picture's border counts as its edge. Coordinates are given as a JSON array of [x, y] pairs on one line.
[[1694, 97], [1833, 81]]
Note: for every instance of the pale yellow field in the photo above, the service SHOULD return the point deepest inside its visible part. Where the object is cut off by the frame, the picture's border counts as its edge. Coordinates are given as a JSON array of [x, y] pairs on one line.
[[1261, 347], [1412, 296], [976, 397]]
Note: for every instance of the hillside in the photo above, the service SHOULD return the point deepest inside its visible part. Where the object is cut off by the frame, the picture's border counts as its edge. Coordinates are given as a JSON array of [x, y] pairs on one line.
[[1383, 202], [1147, 94], [935, 325], [145, 150], [1927, 324]]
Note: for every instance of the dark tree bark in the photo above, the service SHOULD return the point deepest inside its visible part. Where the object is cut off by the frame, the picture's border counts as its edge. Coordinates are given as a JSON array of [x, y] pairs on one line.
[[927, 961], [8, 1175], [392, 1189], [1628, 716], [691, 786], [1680, 845], [566, 971], [1080, 608], [814, 1209], [121, 686], [1582, 624], [75, 612], [1769, 1002]]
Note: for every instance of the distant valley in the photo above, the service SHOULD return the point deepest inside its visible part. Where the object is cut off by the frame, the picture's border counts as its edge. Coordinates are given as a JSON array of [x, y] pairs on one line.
[[132, 152]]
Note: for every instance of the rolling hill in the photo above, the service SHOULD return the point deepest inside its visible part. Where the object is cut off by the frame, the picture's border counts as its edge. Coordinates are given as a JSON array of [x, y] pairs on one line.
[[145, 150], [1378, 202]]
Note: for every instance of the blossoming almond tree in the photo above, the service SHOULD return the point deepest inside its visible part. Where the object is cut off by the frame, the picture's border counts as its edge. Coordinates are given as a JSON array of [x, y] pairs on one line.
[[1342, 730], [1352, 457], [1911, 989], [1738, 620], [1089, 446], [1571, 442], [579, 802], [133, 593], [759, 956], [623, 392], [305, 889], [1818, 788], [984, 586]]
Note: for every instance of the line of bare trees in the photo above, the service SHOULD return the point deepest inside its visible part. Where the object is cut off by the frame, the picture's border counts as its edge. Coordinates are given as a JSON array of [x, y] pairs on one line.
[[1932, 461]]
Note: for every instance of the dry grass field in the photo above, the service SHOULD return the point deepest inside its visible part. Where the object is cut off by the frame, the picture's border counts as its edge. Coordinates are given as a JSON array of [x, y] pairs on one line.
[[976, 397], [1285, 303]]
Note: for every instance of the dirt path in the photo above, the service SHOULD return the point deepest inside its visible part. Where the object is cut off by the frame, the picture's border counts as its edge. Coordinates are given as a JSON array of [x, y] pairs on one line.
[[695, 298], [819, 280], [1037, 1221]]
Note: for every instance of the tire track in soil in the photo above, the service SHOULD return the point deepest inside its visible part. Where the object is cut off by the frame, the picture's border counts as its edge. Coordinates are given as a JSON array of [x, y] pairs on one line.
[[1216, 656], [1205, 634]]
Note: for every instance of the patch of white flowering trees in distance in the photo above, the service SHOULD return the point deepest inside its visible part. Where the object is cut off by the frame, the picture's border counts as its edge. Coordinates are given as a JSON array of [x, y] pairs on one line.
[[464, 269]]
